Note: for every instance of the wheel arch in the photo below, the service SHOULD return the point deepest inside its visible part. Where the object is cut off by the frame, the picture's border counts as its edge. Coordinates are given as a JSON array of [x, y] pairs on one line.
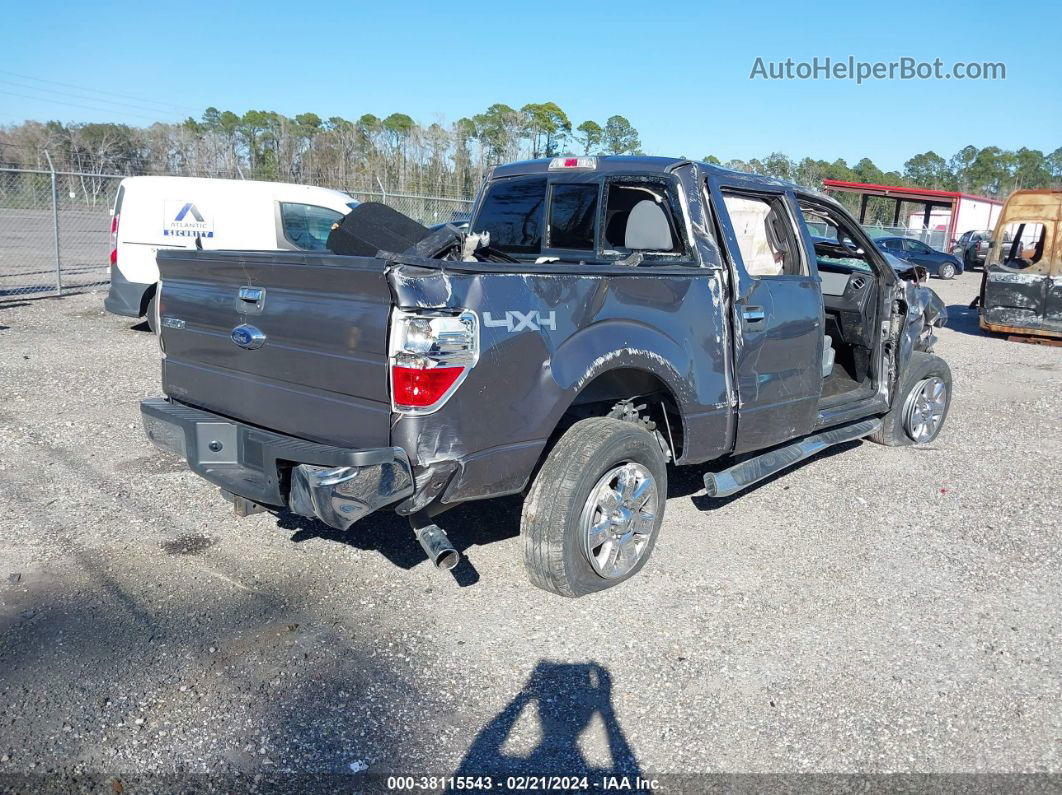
[[628, 380], [145, 299]]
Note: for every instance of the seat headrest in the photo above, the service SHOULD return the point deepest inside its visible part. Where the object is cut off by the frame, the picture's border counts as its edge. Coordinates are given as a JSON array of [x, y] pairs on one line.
[[647, 228]]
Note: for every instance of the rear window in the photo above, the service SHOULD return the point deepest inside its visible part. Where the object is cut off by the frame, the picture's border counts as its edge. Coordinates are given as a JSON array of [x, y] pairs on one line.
[[571, 217], [306, 226], [639, 216], [512, 212]]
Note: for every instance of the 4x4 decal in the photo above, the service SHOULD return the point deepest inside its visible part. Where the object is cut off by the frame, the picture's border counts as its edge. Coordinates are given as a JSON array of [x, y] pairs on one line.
[[518, 321]]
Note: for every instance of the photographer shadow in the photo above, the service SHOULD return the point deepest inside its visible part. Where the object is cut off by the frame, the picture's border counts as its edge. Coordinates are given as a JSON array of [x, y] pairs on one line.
[[577, 733]]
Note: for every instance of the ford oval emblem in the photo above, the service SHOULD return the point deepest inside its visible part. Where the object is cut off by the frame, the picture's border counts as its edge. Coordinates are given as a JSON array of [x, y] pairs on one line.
[[248, 337]]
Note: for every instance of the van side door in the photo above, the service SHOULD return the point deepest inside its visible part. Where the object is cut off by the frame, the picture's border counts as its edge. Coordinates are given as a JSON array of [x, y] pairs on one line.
[[776, 311]]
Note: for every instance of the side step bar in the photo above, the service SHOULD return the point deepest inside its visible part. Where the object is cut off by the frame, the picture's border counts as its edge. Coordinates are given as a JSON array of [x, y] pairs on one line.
[[753, 470]]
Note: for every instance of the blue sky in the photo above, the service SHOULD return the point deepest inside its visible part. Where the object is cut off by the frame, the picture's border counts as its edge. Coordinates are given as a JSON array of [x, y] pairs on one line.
[[679, 71]]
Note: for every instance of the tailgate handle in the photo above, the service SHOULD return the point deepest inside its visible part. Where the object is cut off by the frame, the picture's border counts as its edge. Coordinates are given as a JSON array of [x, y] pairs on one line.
[[250, 297]]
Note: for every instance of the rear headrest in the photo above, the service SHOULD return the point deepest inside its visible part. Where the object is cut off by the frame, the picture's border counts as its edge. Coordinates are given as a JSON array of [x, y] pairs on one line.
[[647, 228]]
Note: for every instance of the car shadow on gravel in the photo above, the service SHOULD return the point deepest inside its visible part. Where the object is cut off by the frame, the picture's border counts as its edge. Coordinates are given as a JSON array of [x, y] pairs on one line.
[[389, 534], [965, 320], [101, 679]]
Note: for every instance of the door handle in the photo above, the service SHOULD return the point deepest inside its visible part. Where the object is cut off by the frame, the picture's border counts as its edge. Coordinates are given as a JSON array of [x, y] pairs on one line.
[[250, 300], [753, 315]]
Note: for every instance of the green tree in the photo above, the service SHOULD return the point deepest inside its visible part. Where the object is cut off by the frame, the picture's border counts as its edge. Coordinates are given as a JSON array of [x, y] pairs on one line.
[[778, 165], [959, 166], [1031, 169], [590, 136], [620, 137], [928, 170], [988, 172], [547, 127]]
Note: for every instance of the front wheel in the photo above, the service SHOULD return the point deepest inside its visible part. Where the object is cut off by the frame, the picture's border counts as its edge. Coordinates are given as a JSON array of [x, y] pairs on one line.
[[592, 516], [921, 405], [946, 271]]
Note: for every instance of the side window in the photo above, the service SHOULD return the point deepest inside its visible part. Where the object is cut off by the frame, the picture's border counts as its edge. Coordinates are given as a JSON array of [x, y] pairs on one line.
[[765, 235], [572, 212], [917, 246], [307, 225], [512, 212], [1023, 243], [892, 245], [640, 216]]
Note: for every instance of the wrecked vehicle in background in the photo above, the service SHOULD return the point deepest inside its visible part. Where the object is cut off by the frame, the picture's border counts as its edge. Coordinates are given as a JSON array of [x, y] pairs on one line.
[[1021, 291], [603, 317]]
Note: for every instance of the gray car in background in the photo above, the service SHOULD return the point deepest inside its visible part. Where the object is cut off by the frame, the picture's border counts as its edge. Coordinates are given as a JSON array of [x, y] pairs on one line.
[[936, 263]]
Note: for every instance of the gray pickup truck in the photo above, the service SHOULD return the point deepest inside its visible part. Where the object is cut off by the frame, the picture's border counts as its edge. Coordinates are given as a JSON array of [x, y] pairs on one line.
[[600, 319]]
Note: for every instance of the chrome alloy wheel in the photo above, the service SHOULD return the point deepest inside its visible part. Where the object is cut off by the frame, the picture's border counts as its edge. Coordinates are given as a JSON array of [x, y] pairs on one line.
[[618, 519], [924, 412]]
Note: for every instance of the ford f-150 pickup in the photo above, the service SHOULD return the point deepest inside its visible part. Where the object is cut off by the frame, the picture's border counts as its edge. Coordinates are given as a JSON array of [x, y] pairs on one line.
[[599, 319]]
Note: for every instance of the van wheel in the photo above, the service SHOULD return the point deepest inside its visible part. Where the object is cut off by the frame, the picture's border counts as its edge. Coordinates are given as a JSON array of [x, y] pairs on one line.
[[592, 516], [150, 315], [921, 404]]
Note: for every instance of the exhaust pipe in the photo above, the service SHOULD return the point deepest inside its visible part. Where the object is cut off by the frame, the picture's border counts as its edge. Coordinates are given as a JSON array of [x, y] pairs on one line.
[[436, 545]]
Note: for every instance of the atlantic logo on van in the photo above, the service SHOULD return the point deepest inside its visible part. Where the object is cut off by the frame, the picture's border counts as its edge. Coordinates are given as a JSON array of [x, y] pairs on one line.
[[183, 219]]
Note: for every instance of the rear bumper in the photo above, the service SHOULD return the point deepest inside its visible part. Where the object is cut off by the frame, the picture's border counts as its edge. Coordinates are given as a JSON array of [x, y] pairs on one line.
[[337, 485], [125, 297]]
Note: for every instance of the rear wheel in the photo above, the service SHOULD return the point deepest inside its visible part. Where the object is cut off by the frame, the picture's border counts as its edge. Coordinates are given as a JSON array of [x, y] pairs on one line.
[[921, 404], [592, 516]]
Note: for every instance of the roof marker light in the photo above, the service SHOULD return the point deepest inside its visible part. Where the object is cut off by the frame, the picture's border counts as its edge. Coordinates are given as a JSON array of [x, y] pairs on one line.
[[561, 163]]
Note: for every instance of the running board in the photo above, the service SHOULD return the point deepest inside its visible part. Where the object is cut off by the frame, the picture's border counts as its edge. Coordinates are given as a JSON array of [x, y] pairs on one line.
[[753, 470]]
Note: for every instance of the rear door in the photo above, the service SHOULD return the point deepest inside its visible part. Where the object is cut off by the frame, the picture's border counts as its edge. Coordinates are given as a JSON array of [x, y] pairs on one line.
[[777, 316], [290, 341]]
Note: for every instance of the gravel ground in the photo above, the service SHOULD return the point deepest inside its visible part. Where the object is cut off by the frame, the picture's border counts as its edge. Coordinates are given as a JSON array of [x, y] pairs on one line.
[[874, 610]]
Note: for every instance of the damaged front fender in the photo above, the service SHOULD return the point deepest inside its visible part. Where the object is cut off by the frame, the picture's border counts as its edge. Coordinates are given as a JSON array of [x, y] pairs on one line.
[[925, 313]]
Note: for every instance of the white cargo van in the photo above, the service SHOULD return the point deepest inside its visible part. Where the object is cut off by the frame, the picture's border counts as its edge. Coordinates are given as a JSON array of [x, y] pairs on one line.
[[151, 213]]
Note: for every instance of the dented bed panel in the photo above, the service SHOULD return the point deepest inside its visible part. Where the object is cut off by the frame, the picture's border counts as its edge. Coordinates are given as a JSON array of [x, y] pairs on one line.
[[543, 338]]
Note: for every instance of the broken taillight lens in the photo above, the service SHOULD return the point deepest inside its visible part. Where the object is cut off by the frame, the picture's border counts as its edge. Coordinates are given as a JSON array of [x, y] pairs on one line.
[[430, 354]]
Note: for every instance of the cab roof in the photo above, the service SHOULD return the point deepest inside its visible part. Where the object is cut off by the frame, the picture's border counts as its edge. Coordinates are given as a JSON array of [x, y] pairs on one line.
[[634, 164]]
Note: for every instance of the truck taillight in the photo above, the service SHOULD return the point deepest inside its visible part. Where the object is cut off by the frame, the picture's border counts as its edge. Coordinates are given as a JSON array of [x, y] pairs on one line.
[[114, 239], [429, 357]]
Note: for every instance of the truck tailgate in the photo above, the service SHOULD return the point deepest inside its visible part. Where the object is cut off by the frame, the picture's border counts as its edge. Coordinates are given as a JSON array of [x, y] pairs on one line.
[[321, 371]]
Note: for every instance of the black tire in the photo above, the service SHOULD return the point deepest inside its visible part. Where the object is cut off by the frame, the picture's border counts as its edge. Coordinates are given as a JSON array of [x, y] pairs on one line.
[[947, 271], [149, 315], [551, 523], [922, 366]]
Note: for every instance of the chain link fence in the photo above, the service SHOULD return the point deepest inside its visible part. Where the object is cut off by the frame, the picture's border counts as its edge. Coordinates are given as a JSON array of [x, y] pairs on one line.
[[55, 227], [54, 231]]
